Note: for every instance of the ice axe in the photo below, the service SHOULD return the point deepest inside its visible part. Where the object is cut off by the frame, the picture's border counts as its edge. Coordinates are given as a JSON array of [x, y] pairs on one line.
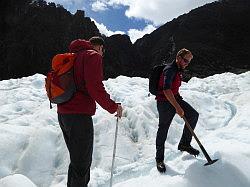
[[209, 160]]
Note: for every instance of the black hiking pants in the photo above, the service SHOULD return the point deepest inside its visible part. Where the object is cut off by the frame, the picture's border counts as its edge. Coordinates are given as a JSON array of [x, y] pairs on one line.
[[78, 134], [166, 115]]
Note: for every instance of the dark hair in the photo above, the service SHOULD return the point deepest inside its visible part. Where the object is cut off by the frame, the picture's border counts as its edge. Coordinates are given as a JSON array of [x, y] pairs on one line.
[[96, 40]]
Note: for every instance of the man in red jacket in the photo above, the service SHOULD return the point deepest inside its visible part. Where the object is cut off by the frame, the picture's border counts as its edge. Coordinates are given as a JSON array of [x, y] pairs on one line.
[[74, 116]]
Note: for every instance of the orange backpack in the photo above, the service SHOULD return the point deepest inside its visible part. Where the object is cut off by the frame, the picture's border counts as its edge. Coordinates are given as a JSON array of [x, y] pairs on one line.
[[60, 83]]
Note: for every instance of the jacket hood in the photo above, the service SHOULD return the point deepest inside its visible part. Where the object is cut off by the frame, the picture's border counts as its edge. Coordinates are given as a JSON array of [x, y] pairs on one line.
[[79, 45]]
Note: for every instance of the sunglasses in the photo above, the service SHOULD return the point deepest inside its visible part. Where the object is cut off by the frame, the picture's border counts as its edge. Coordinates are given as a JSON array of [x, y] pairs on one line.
[[186, 61]]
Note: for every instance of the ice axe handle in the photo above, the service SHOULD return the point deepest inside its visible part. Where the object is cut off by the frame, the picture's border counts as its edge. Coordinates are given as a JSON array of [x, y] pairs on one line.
[[209, 160], [114, 150]]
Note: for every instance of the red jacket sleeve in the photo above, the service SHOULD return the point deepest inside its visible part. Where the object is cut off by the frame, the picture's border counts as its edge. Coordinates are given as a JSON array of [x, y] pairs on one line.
[[93, 76]]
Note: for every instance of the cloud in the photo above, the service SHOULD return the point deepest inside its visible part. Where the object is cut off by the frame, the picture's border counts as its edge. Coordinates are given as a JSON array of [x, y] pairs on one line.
[[104, 30], [157, 11], [135, 34], [99, 6], [162, 11]]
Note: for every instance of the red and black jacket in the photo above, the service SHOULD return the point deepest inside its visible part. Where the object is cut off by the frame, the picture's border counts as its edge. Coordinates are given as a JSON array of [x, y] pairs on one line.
[[170, 79]]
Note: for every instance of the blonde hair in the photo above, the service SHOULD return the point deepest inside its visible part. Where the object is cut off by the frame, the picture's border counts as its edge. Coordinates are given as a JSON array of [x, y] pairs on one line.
[[183, 52]]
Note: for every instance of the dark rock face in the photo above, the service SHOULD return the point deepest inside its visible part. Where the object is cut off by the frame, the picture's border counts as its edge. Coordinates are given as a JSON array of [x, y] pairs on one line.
[[121, 57], [217, 34], [32, 33]]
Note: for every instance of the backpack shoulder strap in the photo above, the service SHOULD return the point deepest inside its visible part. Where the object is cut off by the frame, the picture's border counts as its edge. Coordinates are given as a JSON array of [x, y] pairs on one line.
[[79, 72]]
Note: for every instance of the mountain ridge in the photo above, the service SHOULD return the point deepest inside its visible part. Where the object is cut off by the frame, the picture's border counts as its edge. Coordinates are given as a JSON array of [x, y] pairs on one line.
[[216, 33]]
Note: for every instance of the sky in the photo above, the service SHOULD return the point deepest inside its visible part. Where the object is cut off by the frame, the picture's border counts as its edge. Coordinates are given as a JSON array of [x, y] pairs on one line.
[[33, 152], [132, 17]]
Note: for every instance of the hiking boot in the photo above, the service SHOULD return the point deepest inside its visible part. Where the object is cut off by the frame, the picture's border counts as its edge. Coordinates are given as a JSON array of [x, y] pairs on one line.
[[189, 149], [161, 167]]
